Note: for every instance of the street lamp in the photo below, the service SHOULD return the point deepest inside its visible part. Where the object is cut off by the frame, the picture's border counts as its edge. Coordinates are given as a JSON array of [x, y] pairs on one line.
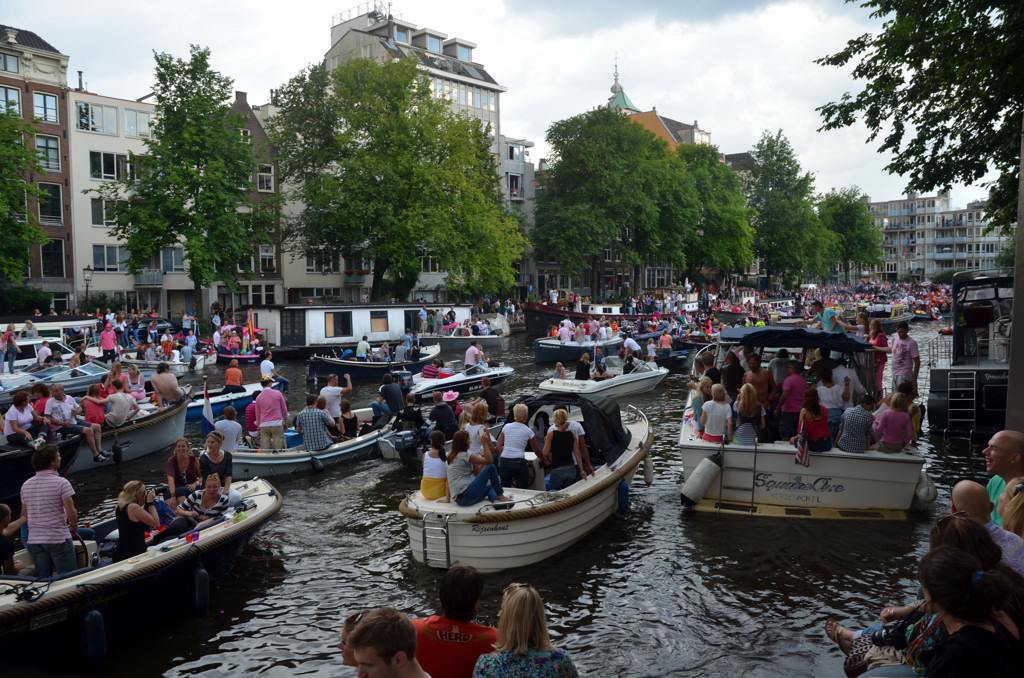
[[87, 276]]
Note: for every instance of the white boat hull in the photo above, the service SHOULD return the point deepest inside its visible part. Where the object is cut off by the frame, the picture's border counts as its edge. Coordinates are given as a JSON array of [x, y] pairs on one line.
[[618, 386], [176, 367]]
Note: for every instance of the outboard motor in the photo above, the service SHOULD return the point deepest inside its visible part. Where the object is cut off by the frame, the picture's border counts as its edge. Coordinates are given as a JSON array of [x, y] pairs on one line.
[[403, 378]]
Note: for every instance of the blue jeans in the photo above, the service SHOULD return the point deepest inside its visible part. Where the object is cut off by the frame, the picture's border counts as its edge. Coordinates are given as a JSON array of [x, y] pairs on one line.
[[11, 357], [788, 424], [514, 471], [562, 477], [47, 556], [487, 484], [380, 409], [835, 418], [285, 383]]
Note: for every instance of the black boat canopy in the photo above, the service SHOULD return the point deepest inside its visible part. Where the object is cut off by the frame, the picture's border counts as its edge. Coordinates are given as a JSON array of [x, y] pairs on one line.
[[793, 337]]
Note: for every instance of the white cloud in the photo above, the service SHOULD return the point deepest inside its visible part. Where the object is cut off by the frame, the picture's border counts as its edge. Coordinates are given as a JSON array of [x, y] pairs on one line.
[[739, 67]]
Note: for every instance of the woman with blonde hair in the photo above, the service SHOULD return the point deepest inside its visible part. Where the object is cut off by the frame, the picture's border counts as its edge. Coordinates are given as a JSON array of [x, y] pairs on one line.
[[716, 417], [524, 647], [135, 513], [135, 382], [892, 427], [1011, 506], [513, 440], [562, 453], [701, 395], [750, 416]]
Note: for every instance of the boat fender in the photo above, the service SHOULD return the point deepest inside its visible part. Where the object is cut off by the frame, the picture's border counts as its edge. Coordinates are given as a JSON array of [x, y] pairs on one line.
[[318, 466], [648, 469], [623, 497], [201, 599], [925, 492], [700, 480], [94, 635], [117, 452]]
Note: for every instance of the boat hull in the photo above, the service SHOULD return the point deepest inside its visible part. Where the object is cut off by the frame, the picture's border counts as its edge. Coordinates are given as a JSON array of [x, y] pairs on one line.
[[219, 400], [249, 463], [179, 368], [321, 365], [487, 343], [242, 358], [460, 383], [616, 387], [550, 350]]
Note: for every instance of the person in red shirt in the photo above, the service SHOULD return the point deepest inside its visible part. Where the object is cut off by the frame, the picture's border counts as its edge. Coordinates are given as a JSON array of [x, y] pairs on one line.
[[450, 643]]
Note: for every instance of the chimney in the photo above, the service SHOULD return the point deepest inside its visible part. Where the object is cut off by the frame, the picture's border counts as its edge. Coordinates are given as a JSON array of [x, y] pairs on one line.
[[11, 36], [80, 81]]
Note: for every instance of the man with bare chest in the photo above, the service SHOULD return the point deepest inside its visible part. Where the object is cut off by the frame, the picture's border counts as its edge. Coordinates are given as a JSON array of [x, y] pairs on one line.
[[762, 380]]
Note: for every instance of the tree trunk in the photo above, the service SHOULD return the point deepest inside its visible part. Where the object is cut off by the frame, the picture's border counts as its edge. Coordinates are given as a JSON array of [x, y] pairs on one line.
[[1015, 384], [378, 279]]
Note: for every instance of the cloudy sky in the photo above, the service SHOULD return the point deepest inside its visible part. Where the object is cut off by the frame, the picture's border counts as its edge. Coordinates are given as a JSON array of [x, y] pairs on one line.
[[738, 67]]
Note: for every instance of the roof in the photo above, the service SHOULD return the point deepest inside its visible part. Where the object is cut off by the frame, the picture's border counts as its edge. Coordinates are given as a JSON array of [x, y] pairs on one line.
[[26, 39], [793, 337], [620, 100], [441, 62], [738, 161]]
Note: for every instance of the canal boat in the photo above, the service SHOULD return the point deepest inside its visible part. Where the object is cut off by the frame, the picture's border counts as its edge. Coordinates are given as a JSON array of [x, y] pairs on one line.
[[458, 337], [970, 369], [16, 465], [464, 380], [553, 350], [321, 365], [175, 365], [79, 611], [889, 315], [26, 358], [219, 399], [537, 524], [763, 479], [642, 379], [76, 380]]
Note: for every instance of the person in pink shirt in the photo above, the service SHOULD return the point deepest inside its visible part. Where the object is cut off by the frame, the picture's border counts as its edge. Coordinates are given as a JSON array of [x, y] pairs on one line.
[[892, 427], [791, 400], [270, 415], [108, 342]]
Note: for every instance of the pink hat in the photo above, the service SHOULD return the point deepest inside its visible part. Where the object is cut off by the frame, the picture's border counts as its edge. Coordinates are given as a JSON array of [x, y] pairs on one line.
[[108, 324], [450, 396]]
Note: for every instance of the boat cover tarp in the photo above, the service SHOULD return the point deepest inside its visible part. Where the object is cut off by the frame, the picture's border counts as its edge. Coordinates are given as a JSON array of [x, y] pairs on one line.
[[602, 421], [793, 337]]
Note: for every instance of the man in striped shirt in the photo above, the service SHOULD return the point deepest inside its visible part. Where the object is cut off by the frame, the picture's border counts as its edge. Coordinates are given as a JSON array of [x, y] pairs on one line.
[[47, 501]]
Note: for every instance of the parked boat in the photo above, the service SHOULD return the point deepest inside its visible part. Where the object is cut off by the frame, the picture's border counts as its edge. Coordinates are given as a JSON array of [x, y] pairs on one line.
[[322, 365], [16, 465], [27, 358], [76, 380], [889, 315], [147, 432], [80, 610], [552, 350], [537, 524], [764, 480], [641, 380], [459, 337], [465, 380], [242, 358], [971, 369], [926, 315], [219, 399], [263, 463], [539, 317]]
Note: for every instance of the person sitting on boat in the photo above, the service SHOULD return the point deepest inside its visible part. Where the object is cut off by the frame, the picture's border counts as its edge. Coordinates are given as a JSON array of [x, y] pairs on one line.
[[443, 416], [183, 473], [749, 415], [122, 405], [383, 353], [199, 509], [599, 357], [314, 425], [892, 427], [390, 400], [559, 371], [8, 528], [434, 483], [410, 418], [856, 426], [348, 421], [701, 395], [233, 378], [600, 373], [20, 423], [463, 487], [432, 369], [832, 396], [474, 356], [562, 453], [445, 370], [216, 460], [135, 515], [135, 382], [813, 421], [267, 366], [716, 416], [449, 643], [165, 387], [231, 429], [414, 353], [583, 367], [61, 411]]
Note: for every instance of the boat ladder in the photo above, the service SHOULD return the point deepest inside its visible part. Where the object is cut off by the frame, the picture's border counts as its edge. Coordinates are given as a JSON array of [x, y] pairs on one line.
[[961, 402], [737, 484], [436, 548]]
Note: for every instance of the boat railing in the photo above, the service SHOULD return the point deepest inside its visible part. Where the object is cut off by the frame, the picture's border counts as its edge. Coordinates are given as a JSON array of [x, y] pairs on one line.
[[939, 351]]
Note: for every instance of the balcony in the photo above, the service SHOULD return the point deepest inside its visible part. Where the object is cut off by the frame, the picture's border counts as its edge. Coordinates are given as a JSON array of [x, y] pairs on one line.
[[150, 277], [355, 276]]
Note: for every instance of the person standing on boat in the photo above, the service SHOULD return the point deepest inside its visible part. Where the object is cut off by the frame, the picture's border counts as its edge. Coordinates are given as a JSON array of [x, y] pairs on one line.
[[268, 367], [513, 440], [271, 413], [423, 315], [474, 355], [9, 348], [489, 395], [906, 359], [334, 394], [631, 346], [108, 342], [449, 643], [47, 502]]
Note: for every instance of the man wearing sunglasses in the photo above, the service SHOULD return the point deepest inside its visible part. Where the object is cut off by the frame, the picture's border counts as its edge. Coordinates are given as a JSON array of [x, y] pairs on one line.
[[1004, 459]]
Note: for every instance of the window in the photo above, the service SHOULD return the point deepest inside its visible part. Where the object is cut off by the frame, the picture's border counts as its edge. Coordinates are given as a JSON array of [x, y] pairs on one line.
[[434, 44], [464, 53], [322, 262], [51, 255], [462, 95], [246, 135], [339, 323], [172, 260], [265, 179], [9, 63], [49, 152], [476, 98], [108, 166], [11, 98], [102, 213], [402, 35], [429, 265], [365, 51], [96, 118], [109, 258], [45, 106], [136, 124], [50, 208], [261, 294], [378, 321], [268, 259]]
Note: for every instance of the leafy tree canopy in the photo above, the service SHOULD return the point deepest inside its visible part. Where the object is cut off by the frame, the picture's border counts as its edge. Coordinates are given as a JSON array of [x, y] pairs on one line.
[[857, 239], [942, 84], [17, 222]]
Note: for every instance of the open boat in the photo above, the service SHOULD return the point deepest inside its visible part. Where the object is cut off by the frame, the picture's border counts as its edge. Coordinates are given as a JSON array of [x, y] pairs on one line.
[[458, 337], [175, 365], [242, 358], [78, 611], [322, 365], [763, 479], [465, 380], [251, 463], [553, 350], [16, 465], [76, 380], [537, 524], [641, 380], [219, 399]]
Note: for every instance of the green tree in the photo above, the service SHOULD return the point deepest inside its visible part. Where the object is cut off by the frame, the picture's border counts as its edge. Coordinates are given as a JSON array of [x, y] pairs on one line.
[[17, 222], [726, 238], [789, 238], [942, 84], [858, 240], [381, 168], [611, 185], [1006, 257], [192, 184]]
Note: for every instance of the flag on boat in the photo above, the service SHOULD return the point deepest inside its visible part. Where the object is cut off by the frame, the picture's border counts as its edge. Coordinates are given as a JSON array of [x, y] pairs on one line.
[[252, 329], [207, 423]]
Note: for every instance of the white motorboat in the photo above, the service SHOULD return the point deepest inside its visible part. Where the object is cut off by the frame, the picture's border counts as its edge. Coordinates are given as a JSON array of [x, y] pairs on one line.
[[459, 337], [764, 479], [252, 463], [465, 380], [537, 524], [149, 431], [175, 364], [644, 377], [26, 358]]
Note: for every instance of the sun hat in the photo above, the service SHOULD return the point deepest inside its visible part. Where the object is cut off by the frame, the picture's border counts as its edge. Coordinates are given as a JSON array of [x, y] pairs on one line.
[[265, 378], [450, 396]]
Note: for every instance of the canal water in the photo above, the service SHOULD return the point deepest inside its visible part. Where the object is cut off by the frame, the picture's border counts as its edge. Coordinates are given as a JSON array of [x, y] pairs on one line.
[[659, 592]]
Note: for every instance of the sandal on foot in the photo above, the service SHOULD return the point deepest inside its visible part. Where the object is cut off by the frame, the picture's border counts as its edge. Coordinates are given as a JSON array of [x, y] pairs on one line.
[[834, 630]]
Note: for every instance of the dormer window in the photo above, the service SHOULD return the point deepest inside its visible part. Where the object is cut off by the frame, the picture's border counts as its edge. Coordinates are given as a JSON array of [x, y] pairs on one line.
[[434, 44], [402, 35], [465, 53]]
